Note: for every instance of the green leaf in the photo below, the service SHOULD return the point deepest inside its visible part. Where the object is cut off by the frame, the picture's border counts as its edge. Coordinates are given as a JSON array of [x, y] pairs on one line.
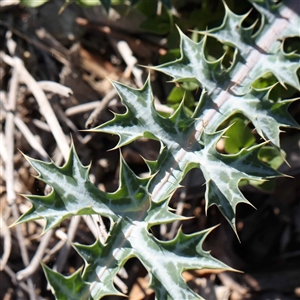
[[238, 136], [33, 3], [187, 142], [224, 172], [264, 54], [70, 185], [229, 97], [91, 3], [132, 213], [135, 124], [156, 25], [272, 156], [193, 66], [177, 134], [67, 288], [177, 95]]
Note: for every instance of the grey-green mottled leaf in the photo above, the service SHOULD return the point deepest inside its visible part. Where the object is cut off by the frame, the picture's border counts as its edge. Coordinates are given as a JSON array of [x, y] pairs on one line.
[[223, 174], [67, 287], [184, 148], [142, 120], [132, 213], [187, 142]]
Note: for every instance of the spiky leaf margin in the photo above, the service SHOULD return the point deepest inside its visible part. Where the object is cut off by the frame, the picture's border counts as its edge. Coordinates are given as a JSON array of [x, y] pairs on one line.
[[132, 213]]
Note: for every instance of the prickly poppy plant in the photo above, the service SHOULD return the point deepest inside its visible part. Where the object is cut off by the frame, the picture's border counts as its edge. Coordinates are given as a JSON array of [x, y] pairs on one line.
[[187, 142]]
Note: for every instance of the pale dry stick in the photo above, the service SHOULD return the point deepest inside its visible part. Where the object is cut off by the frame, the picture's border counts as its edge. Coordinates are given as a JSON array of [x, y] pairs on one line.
[[123, 273], [288, 15], [22, 285], [44, 105], [92, 226], [179, 209], [61, 114], [61, 235], [17, 185], [120, 284], [12, 275], [28, 135], [86, 139], [102, 228], [34, 264], [94, 117], [3, 151], [86, 107], [10, 43], [35, 261], [131, 61], [9, 133], [101, 235], [41, 125], [163, 108], [127, 56], [59, 56], [159, 8], [31, 139], [65, 250], [232, 284], [81, 108], [52, 42], [51, 119], [55, 249], [6, 236], [9, 137], [57, 156], [55, 88]]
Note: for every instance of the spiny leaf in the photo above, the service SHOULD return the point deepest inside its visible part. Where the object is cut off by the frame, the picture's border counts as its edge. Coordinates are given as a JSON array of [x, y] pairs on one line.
[[232, 32], [182, 150], [66, 287], [182, 253], [186, 143], [132, 213], [193, 66], [142, 120], [224, 172], [266, 115], [261, 52], [72, 194], [229, 91]]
